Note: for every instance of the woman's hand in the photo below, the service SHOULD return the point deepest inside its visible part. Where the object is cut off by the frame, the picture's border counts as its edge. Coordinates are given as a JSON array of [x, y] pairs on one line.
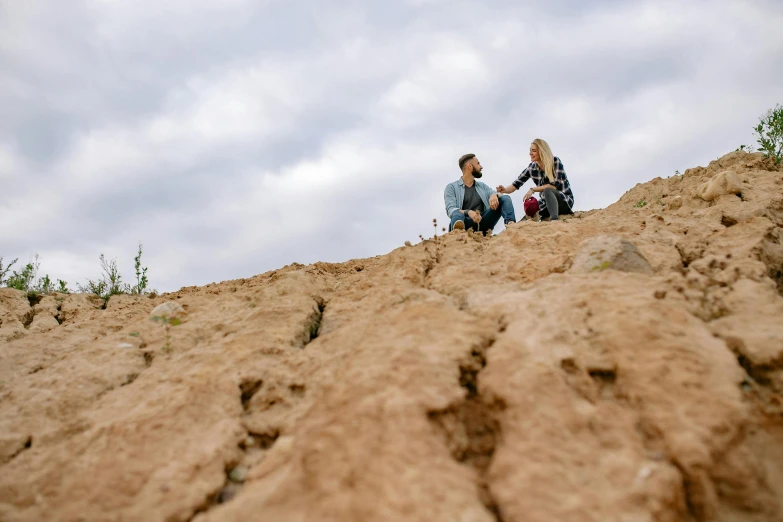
[[505, 190], [528, 195]]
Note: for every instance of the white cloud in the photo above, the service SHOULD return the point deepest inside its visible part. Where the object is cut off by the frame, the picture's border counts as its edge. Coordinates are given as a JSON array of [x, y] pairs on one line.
[[233, 137]]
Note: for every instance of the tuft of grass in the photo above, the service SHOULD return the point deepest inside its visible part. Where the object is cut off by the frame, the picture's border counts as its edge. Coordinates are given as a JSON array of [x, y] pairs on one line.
[[111, 283], [641, 203]]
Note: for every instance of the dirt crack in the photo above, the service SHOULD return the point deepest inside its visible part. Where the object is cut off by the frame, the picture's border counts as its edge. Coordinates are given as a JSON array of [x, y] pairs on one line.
[[472, 427], [313, 324], [28, 443], [251, 447]]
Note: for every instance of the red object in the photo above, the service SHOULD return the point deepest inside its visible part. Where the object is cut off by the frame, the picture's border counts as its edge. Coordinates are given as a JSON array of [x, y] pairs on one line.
[[531, 207]]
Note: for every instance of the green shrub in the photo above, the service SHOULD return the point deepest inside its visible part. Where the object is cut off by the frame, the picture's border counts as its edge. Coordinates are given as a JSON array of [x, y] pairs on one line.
[[45, 285], [110, 282], [4, 270], [25, 280], [141, 276], [769, 134]]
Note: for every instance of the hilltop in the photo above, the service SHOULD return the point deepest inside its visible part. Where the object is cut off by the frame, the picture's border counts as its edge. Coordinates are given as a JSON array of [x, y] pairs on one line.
[[623, 364]]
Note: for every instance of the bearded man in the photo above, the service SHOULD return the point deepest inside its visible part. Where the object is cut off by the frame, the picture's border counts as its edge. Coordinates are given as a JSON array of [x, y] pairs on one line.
[[473, 204]]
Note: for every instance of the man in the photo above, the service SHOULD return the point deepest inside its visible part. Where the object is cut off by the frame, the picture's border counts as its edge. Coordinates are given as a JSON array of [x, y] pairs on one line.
[[473, 204]]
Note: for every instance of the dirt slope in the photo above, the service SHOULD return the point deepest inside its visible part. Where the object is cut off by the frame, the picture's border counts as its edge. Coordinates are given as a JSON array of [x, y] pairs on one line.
[[554, 372]]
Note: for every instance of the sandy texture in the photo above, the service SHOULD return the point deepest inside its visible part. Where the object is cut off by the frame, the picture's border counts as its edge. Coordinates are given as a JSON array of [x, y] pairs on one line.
[[531, 376]]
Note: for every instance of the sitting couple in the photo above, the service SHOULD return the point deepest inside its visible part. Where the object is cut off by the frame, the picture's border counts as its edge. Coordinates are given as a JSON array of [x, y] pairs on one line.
[[473, 204]]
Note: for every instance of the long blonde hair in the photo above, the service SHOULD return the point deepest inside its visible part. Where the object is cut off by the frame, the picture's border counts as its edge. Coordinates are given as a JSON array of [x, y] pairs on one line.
[[547, 158]]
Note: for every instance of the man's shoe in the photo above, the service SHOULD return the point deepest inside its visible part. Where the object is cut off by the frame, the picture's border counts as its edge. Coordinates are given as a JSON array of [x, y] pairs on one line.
[[459, 225]]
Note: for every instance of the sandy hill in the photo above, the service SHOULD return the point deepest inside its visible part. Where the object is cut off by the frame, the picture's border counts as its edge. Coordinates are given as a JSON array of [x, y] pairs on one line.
[[625, 364]]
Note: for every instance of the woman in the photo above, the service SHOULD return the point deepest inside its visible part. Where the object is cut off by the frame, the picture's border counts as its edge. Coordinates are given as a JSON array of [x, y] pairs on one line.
[[548, 174]]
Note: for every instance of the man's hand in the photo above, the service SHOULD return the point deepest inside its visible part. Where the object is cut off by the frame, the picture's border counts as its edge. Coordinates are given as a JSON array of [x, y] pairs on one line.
[[475, 216], [528, 195], [493, 202]]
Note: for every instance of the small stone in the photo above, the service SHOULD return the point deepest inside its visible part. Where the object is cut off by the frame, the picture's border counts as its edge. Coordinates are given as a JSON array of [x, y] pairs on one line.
[[169, 309], [726, 182], [238, 474], [610, 253], [124, 345]]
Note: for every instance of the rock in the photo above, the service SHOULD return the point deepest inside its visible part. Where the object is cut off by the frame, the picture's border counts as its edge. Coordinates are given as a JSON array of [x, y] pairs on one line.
[[609, 253], [43, 323], [238, 474], [726, 182], [12, 329], [674, 203], [15, 313], [79, 306], [168, 309]]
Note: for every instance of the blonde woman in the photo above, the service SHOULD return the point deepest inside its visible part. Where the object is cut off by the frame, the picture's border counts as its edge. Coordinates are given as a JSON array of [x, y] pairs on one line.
[[548, 174]]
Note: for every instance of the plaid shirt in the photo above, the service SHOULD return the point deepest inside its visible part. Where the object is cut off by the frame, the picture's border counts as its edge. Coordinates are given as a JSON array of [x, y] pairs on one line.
[[534, 172]]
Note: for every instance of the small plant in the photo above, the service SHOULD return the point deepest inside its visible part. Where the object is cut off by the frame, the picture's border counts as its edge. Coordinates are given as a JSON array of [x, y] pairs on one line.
[[745, 148], [62, 287], [45, 285], [603, 266], [25, 280], [641, 203], [110, 283], [167, 322], [769, 134], [4, 270], [141, 276], [134, 334]]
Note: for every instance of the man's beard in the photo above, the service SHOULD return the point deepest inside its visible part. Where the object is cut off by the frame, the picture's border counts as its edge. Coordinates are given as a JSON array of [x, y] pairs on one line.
[[477, 173]]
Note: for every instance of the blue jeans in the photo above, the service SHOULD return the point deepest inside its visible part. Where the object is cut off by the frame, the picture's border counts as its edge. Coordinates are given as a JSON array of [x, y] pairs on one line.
[[489, 218]]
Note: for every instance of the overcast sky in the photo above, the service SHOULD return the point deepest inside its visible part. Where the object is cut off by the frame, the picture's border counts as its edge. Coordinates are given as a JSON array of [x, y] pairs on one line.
[[233, 137]]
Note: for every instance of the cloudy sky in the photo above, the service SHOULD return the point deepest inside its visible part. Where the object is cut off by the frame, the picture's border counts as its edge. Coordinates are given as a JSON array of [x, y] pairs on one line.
[[233, 137]]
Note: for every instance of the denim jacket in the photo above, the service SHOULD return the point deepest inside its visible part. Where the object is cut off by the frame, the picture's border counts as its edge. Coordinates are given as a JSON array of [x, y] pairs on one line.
[[455, 194]]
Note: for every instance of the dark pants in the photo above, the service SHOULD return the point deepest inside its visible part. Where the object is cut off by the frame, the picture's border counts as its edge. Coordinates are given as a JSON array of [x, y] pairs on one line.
[[556, 204], [489, 218]]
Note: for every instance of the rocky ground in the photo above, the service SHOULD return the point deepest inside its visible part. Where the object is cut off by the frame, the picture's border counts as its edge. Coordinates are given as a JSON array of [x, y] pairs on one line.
[[624, 364]]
